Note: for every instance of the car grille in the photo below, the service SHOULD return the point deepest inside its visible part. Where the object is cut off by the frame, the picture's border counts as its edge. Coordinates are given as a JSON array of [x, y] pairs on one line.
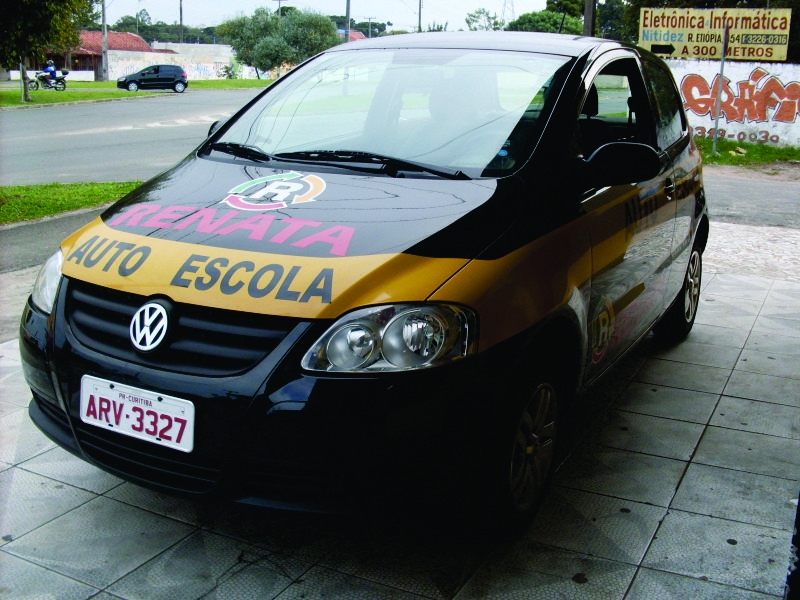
[[135, 459], [207, 341]]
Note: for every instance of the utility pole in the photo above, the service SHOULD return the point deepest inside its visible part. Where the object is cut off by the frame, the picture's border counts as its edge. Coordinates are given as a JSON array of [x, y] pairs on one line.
[[369, 20], [419, 18], [589, 12], [181, 15], [279, 6], [347, 18], [104, 74]]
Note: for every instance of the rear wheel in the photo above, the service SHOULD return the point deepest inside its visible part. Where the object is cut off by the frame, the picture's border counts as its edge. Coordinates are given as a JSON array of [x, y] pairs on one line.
[[133, 86], [678, 321], [60, 85], [179, 87]]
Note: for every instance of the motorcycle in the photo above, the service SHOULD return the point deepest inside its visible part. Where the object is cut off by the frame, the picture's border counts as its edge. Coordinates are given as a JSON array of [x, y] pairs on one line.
[[57, 83]]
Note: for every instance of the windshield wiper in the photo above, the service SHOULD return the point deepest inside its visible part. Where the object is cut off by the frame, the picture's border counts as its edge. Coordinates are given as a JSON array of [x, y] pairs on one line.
[[391, 164], [241, 151]]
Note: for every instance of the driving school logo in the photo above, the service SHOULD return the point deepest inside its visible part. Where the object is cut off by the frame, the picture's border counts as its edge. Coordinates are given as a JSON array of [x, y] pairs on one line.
[[275, 192]]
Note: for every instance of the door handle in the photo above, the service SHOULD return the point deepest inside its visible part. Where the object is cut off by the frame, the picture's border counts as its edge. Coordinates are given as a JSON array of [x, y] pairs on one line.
[[669, 187]]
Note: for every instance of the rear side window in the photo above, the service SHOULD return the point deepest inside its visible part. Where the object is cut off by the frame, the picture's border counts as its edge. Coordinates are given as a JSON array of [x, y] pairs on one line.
[[669, 117]]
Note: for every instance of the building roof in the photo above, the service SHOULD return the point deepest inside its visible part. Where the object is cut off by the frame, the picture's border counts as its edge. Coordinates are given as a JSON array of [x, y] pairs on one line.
[[355, 34], [92, 42]]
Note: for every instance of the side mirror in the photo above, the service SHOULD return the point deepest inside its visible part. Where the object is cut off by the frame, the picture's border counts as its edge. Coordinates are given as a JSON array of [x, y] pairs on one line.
[[214, 127], [621, 162]]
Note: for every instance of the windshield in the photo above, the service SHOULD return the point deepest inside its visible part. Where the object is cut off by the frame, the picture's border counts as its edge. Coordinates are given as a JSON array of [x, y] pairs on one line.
[[472, 111]]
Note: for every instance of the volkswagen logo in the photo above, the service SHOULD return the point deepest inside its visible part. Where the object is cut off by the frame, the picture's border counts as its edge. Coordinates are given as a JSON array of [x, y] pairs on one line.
[[149, 326]]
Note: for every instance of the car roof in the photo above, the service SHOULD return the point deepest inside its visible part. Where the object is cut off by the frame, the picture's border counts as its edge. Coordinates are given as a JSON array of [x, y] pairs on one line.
[[550, 43]]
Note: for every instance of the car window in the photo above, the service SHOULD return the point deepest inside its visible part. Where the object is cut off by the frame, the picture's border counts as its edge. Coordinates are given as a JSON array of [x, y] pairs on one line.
[[670, 120], [461, 109], [615, 108]]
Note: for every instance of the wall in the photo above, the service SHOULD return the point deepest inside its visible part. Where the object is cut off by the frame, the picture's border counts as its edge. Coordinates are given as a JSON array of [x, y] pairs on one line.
[[760, 101], [206, 61]]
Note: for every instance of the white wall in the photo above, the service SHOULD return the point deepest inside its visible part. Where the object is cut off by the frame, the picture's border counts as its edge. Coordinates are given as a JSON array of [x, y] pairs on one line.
[[760, 101]]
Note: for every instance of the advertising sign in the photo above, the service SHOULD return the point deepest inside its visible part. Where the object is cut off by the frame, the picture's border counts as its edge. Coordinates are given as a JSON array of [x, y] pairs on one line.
[[756, 34]]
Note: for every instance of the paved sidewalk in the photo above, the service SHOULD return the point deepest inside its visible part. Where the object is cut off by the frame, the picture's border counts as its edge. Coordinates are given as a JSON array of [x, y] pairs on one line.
[[685, 486]]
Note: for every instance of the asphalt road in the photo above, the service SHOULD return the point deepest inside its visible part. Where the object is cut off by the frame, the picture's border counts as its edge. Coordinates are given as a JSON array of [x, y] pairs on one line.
[[109, 141]]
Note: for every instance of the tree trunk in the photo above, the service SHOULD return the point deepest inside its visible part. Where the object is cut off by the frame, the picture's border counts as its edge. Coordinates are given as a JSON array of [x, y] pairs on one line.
[[23, 79]]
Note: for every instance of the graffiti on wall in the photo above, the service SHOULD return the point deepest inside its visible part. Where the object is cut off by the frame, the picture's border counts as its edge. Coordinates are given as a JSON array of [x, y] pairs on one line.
[[759, 103]]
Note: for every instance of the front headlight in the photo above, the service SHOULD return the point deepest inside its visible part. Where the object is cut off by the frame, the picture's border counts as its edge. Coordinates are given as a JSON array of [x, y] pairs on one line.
[[46, 286], [394, 338]]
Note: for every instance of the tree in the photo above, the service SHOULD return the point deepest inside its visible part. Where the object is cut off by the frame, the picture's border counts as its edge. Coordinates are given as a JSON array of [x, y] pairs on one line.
[[481, 20], [30, 27], [308, 33], [244, 33], [548, 21], [574, 8], [610, 20], [371, 28], [266, 41]]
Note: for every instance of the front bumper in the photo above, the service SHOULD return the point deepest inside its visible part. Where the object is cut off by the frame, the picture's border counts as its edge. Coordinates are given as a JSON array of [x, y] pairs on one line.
[[274, 435]]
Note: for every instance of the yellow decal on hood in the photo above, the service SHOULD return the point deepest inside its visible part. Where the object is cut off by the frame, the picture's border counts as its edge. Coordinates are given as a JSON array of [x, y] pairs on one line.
[[258, 282]]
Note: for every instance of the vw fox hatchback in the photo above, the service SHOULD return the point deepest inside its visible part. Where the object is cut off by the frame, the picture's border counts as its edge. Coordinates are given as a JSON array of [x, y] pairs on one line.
[[392, 273]]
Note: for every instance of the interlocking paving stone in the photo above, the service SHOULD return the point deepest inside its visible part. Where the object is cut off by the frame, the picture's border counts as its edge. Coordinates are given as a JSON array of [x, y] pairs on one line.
[[683, 375], [739, 554], [596, 525], [99, 542], [667, 402], [758, 417], [622, 474], [652, 585], [206, 562], [30, 500], [738, 496], [778, 390], [651, 435], [60, 464], [528, 570], [22, 579], [750, 452]]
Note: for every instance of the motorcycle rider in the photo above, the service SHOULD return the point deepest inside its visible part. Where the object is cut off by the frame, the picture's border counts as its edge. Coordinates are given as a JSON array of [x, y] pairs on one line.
[[49, 72]]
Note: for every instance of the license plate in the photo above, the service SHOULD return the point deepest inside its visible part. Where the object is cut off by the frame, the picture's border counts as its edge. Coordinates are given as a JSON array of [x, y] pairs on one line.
[[149, 416]]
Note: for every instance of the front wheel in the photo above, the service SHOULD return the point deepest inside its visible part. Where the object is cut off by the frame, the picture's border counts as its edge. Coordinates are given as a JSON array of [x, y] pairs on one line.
[[527, 456], [133, 86], [33, 84], [60, 85], [678, 321]]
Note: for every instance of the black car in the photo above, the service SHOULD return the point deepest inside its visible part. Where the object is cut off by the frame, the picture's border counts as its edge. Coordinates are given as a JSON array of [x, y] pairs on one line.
[[392, 274], [155, 77]]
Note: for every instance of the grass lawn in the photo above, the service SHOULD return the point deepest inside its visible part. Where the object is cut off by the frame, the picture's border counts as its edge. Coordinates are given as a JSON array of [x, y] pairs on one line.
[[103, 90]]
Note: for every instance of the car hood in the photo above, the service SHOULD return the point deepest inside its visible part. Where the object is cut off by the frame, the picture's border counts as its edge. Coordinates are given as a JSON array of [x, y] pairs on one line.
[[285, 241]]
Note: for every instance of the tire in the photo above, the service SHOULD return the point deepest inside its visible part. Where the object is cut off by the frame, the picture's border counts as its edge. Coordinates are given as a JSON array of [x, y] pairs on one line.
[[133, 86], [678, 321], [60, 85], [526, 457], [179, 87], [33, 84]]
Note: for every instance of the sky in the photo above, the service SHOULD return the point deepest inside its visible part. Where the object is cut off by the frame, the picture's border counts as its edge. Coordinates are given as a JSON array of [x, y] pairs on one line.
[[403, 14]]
